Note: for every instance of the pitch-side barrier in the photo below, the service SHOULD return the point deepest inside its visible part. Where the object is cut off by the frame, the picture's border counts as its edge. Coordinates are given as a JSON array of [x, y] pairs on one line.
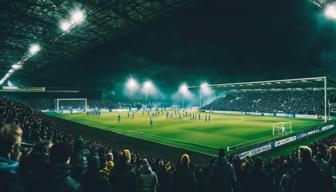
[[270, 145]]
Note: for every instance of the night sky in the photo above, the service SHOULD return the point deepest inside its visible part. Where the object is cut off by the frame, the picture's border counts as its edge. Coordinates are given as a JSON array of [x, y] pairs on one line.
[[215, 41]]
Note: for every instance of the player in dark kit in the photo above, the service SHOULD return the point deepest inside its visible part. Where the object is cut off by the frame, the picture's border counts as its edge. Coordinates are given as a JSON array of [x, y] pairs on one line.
[[150, 122], [118, 119]]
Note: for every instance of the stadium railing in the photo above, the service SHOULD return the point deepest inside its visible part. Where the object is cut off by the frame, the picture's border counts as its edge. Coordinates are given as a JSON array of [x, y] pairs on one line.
[[251, 150]]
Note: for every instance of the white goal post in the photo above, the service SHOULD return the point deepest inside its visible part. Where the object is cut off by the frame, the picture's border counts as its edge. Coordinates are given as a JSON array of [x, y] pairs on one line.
[[278, 126], [70, 99]]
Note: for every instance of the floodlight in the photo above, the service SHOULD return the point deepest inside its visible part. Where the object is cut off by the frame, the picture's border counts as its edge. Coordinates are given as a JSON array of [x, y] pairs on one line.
[[77, 16], [16, 66], [65, 25], [34, 48], [184, 89], [205, 89], [204, 85], [132, 85], [330, 11], [148, 86]]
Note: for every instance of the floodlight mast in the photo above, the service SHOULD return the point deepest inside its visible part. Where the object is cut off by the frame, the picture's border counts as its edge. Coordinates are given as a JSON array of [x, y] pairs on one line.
[[200, 98], [183, 102], [183, 91], [325, 99], [147, 87]]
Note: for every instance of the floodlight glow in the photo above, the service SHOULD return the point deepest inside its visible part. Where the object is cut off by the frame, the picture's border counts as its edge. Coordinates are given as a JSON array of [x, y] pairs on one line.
[[330, 11], [77, 16], [65, 25], [148, 86], [16, 66], [204, 85], [205, 89], [184, 89], [34, 48], [132, 85], [149, 89]]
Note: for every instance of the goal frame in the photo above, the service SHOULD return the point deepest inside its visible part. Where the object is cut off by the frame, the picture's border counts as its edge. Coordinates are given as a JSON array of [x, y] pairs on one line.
[[71, 99], [282, 124]]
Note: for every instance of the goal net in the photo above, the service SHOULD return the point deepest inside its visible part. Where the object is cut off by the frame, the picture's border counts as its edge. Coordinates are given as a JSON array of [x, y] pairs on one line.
[[282, 128], [71, 105]]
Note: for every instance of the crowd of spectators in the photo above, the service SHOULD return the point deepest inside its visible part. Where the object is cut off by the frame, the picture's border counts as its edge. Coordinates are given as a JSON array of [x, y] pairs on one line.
[[36, 155], [50, 104], [299, 102]]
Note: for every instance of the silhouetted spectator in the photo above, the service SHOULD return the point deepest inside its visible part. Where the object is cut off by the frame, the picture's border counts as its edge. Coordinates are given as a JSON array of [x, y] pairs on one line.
[[308, 177], [332, 164], [58, 177], [122, 177], [222, 175], [109, 165], [94, 181], [325, 171], [286, 181], [164, 174], [79, 159], [10, 138], [147, 178], [258, 179], [33, 167], [184, 177]]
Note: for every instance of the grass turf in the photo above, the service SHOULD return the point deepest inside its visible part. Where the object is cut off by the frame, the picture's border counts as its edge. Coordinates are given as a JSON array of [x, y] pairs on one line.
[[195, 135]]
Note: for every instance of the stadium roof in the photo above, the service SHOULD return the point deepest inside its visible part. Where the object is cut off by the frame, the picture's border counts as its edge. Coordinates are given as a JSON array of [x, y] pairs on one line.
[[26, 22], [321, 3], [283, 84]]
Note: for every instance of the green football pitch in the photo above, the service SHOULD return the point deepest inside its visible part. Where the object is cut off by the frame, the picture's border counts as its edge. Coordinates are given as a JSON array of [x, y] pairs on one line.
[[197, 135]]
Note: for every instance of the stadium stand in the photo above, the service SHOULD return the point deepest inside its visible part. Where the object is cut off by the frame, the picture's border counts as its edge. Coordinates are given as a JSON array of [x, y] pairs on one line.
[[37, 155], [49, 104], [299, 102]]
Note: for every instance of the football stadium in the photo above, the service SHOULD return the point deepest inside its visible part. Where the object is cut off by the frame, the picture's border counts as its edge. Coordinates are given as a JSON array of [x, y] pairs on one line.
[[167, 96]]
